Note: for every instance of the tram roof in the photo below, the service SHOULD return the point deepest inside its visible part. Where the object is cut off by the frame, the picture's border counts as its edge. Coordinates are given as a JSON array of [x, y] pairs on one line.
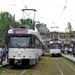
[[24, 31]]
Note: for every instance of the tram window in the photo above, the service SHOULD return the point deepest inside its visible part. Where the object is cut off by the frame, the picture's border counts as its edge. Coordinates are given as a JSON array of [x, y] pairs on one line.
[[55, 46], [19, 41], [37, 43], [51, 46], [33, 41]]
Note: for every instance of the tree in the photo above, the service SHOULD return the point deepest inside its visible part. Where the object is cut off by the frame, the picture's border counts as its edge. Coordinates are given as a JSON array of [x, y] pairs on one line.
[[69, 31], [6, 20]]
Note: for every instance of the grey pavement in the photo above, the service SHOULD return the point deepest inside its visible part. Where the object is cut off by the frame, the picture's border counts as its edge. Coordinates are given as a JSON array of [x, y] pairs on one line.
[[4, 63], [70, 57]]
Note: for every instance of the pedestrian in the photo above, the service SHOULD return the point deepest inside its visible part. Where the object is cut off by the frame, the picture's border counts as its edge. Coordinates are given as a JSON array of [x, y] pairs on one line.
[[66, 50], [4, 52], [70, 50], [1, 55]]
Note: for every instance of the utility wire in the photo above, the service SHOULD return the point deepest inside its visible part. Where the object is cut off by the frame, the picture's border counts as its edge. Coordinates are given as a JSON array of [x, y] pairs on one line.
[[62, 11]]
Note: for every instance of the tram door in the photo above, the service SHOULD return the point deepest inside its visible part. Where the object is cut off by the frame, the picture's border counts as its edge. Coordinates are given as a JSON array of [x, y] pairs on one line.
[[74, 49]]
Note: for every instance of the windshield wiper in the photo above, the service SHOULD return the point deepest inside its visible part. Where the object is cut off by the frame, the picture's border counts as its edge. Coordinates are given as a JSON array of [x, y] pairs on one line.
[[17, 44]]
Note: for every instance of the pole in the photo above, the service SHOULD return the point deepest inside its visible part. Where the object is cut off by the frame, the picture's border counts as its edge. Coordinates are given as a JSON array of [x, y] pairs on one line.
[[23, 18], [34, 21], [14, 21]]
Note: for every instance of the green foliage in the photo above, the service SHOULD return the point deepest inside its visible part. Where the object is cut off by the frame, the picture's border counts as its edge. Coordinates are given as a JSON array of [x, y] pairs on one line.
[[6, 20], [17, 24], [69, 31], [27, 23]]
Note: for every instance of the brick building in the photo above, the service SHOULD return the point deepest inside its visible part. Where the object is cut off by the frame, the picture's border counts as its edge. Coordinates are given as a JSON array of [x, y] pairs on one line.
[[47, 36]]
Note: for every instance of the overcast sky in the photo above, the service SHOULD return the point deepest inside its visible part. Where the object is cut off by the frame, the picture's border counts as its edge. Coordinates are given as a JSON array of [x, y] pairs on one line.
[[51, 12]]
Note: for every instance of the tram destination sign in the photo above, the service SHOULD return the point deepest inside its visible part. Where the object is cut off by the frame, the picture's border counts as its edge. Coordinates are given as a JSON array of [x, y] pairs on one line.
[[20, 31]]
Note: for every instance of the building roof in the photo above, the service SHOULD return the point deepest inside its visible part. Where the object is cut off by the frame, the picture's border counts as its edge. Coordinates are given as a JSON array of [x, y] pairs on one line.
[[42, 28]]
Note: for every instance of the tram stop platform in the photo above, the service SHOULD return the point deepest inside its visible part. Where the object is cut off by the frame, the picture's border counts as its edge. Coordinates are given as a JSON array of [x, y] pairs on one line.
[[70, 57], [4, 63]]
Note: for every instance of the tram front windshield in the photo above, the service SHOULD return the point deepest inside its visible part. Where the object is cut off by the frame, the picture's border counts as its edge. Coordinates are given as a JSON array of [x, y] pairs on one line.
[[55, 46], [17, 42]]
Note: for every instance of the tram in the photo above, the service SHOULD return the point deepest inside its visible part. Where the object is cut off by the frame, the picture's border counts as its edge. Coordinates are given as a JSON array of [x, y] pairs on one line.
[[55, 48], [24, 47], [55, 43]]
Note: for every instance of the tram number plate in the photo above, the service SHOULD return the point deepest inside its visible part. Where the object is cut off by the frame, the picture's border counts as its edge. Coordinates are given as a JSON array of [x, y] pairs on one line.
[[17, 58]]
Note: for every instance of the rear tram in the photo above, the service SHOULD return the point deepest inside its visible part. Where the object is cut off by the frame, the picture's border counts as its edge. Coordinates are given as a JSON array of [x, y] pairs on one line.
[[55, 48], [55, 43]]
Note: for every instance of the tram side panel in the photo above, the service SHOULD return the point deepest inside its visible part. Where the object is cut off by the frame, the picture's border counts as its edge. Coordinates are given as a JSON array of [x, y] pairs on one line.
[[40, 50]]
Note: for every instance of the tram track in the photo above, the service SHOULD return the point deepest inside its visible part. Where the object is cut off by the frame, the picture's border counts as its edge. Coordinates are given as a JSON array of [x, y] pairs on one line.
[[58, 67], [68, 65], [15, 72], [64, 67], [5, 73], [22, 72]]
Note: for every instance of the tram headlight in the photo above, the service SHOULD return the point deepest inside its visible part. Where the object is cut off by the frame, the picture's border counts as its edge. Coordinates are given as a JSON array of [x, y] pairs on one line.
[[19, 53]]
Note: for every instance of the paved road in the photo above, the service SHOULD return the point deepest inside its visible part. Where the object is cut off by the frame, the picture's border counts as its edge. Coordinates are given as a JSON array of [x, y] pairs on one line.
[[4, 63]]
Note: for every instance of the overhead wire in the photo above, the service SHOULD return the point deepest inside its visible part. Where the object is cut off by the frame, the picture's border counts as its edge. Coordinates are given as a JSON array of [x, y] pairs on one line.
[[26, 8], [28, 14], [19, 6], [62, 11], [24, 4], [11, 4]]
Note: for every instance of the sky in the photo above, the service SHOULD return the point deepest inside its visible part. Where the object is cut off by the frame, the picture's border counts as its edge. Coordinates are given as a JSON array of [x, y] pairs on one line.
[[53, 13]]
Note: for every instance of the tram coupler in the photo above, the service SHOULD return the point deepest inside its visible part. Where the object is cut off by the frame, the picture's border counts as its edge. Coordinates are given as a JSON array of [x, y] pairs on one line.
[[17, 62]]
